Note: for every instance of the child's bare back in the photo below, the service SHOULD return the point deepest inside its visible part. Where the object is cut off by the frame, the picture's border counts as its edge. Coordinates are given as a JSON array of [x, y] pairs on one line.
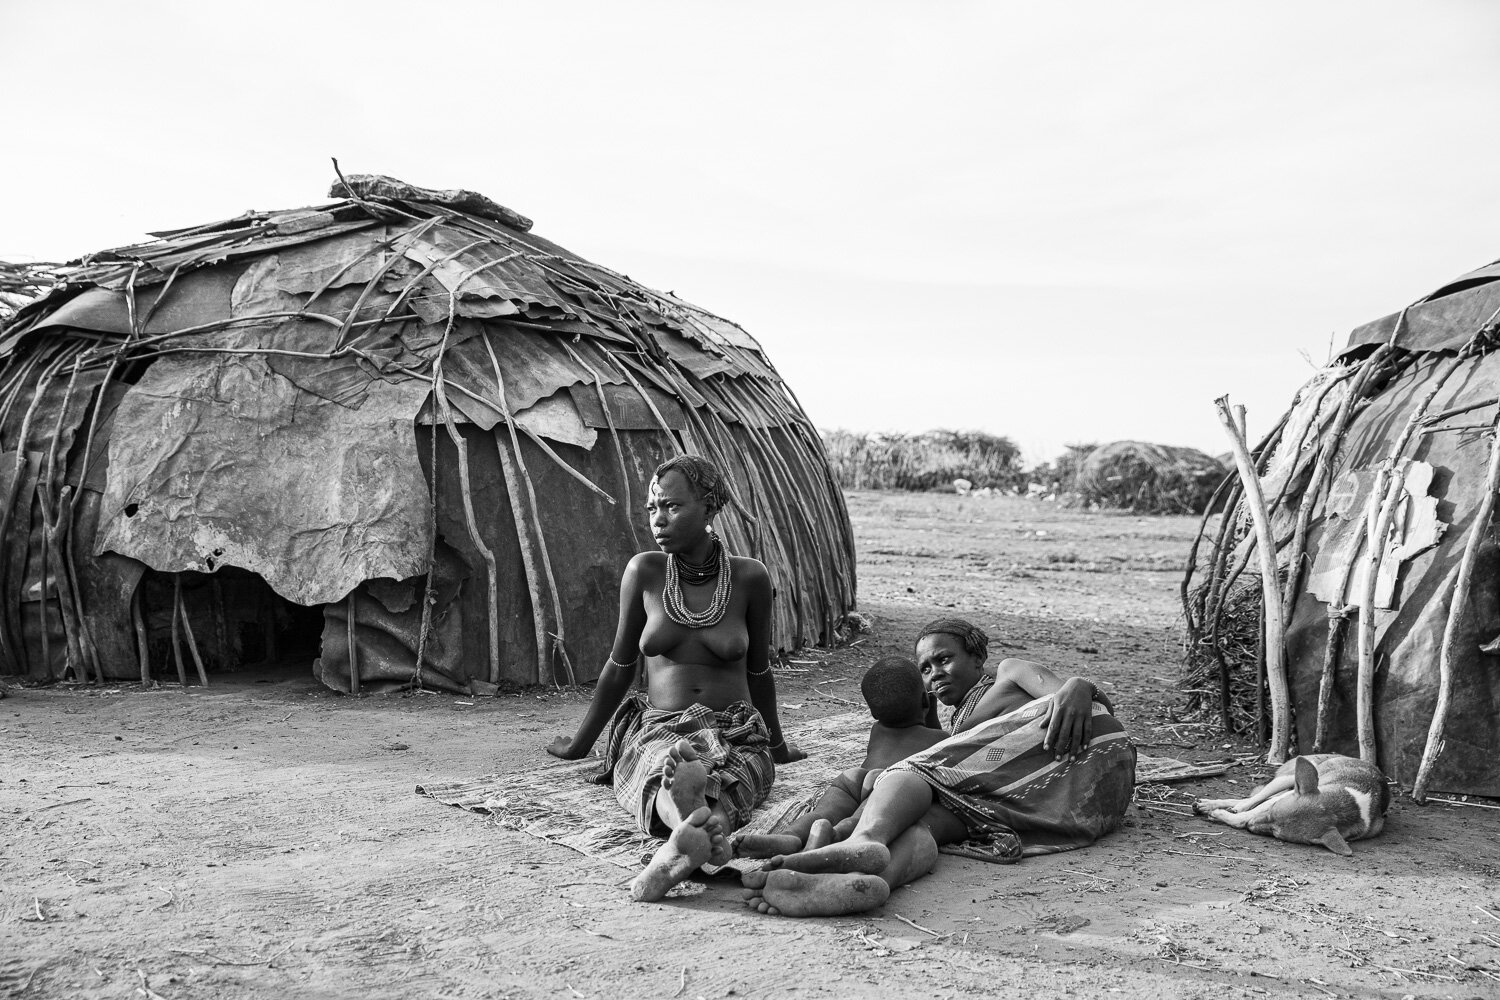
[[889, 744]]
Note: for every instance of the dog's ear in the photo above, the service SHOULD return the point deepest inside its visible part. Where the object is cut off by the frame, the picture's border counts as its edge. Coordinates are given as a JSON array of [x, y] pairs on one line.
[[1306, 779], [1335, 842]]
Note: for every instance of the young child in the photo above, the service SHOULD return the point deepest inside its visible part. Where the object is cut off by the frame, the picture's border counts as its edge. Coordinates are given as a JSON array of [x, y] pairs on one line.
[[905, 723]]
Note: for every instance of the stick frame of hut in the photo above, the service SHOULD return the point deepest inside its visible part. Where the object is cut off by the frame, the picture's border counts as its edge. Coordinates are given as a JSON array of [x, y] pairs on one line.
[[1395, 441], [397, 431]]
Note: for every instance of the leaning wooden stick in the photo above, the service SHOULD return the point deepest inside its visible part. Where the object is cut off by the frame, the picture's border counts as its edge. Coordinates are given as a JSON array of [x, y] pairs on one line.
[[1281, 701], [1458, 610], [1385, 495]]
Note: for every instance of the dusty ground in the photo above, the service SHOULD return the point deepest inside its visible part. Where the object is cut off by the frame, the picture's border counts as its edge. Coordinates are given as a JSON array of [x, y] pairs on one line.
[[261, 838]]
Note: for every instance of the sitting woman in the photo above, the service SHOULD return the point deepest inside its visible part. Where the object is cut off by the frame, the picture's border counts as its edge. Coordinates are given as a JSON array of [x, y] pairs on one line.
[[1035, 765], [696, 752]]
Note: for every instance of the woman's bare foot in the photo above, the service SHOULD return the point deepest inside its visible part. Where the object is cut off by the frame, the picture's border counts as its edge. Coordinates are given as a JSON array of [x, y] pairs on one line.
[[683, 785], [795, 894], [764, 845], [866, 856], [691, 845], [821, 835]]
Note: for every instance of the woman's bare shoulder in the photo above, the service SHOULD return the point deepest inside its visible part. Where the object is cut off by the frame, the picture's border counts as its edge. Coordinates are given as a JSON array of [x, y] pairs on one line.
[[646, 566], [750, 572]]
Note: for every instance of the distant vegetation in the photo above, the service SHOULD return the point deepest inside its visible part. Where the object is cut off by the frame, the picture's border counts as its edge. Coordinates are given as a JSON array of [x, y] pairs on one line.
[[924, 461], [1125, 475]]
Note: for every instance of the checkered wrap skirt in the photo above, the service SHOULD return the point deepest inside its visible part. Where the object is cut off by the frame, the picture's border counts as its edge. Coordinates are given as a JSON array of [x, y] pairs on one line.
[[1017, 799], [733, 744]]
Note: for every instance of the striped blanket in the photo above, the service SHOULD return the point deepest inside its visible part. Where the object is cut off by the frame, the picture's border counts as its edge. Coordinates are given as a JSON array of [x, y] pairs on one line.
[[733, 743], [1017, 799]]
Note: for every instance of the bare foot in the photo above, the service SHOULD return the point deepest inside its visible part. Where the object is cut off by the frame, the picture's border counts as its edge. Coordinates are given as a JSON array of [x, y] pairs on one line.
[[821, 835], [683, 784], [764, 845], [690, 845], [865, 856], [844, 827], [794, 894], [719, 852]]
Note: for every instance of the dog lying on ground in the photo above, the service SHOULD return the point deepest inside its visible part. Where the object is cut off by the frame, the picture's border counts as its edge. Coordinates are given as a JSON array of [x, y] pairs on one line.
[[1323, 798]]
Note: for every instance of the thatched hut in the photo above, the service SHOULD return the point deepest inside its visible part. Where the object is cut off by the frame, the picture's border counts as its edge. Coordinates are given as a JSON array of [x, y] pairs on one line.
[[1149, 478], [1391, 648], [397, 432]]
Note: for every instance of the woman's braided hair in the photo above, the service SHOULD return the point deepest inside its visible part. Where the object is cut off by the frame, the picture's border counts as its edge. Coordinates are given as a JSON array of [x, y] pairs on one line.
[[976, 643], [710, 485]]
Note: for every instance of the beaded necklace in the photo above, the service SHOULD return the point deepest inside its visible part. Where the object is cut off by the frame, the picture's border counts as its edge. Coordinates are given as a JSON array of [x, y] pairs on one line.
[[680, 569]]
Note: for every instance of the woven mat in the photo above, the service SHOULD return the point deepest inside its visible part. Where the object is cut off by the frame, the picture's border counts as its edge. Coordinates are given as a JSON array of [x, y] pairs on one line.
[[556, 800]]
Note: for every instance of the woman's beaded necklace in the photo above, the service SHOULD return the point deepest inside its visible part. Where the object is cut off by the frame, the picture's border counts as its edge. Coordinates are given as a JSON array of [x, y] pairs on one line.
[[679, 569]]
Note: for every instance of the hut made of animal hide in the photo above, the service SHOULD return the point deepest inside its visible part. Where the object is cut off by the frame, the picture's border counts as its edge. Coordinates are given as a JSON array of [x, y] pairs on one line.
[[396, 436], [1392, 649]]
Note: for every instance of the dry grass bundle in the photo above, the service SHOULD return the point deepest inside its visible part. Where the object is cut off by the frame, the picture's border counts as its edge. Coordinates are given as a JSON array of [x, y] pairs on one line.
[[1223, 656], [1149, 478], [23, 283], [923, 461]]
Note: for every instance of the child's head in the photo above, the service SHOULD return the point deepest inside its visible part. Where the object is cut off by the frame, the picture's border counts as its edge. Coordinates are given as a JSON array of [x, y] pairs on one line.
[[893, 689]]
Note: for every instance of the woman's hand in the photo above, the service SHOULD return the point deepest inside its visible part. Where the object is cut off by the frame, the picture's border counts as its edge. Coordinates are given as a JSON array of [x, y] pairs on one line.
[[563, 747], [786, 751], [1070, 720]]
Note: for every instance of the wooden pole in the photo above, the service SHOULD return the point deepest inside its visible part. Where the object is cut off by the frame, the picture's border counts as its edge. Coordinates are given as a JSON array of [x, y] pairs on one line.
[[138, 620], [187, 631], [1385, 495], [1458, 610], [176, 613], [353, 642], [1281, 706]]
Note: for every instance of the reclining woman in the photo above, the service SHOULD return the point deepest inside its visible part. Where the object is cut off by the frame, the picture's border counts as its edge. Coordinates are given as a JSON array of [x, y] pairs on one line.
[[1036, 764], [696, 752]]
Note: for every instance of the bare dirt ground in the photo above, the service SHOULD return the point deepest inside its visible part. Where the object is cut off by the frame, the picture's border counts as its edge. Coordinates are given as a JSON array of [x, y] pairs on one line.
[[261, 837]]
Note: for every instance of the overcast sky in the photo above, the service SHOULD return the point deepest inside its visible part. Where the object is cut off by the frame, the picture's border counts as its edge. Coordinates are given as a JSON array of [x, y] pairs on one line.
[[1055, 222]]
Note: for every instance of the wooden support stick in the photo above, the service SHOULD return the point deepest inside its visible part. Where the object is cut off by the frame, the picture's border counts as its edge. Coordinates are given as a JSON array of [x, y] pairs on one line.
[[187, 630], [1385, 495], [1332, 648], [138, 620], [1458, 609], [353, 642], [176, 612], [1281, 705], [1322, 469], [466, 492]]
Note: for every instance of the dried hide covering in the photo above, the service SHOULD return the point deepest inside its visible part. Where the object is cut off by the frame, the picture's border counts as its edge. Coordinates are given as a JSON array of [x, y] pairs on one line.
[[328, 399], [1393, 649]]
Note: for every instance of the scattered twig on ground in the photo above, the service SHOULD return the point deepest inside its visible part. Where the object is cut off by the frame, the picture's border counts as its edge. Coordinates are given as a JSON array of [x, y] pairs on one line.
[[1448, 800], [827, 694], [228, 961], [59, 805], [145, 989], [1486, 912], [912, 923], [1212, 857], [1467, 967], [1165, 808], [1415, 972], [1317, 985], [682, 984]]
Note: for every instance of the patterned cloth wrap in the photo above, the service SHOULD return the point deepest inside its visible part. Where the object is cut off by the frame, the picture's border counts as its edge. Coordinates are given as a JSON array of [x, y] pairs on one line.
[[1017, 799], [733, 744]]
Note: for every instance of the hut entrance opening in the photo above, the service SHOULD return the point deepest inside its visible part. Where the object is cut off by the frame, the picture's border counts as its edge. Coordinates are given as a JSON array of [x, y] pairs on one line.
[[230, 620]]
